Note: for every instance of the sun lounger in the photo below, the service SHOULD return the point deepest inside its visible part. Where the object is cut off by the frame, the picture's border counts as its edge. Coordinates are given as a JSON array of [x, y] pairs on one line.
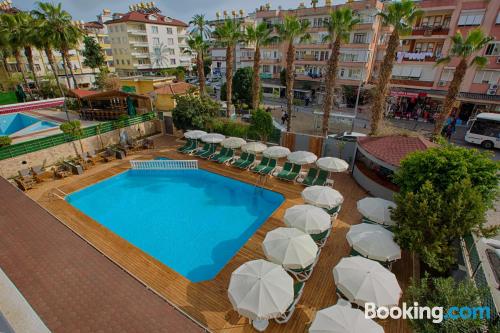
[[311, 175], [209, 152], [202, 150], [294, 173], [298, 289], [148, 143], [220, 154], [285, 171], [322, 178], [248, 162], [243, 158], [334, 210], [265, 161], [188, 144], [321, 238], [75, 168], [62, 171], [228, 157], [269, 168], [25, 181], [304, 274], [39, 173], [108, 155], [91, 155]]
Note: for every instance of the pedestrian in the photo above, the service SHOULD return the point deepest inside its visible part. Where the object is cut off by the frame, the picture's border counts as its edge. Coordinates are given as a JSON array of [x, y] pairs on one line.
[[283, 116], [448, 132]]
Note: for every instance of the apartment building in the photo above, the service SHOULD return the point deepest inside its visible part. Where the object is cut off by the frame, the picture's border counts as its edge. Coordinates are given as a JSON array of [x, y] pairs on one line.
[[143, 41], [417, 83]]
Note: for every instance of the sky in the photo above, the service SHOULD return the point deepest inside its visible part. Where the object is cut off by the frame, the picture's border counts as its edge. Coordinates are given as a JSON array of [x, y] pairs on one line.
[[87, 10]]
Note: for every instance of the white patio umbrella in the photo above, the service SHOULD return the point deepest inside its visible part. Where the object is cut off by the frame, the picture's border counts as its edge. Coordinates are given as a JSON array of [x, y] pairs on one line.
[[290, 247], [322, 196], [374, 242], [233, 142], [332, 164], [376, 210], [195, 134], [276, 152], [260, 290], [212, 138], [302, 157], [308, 218], [343, 319], [254, 147], [363, 280]]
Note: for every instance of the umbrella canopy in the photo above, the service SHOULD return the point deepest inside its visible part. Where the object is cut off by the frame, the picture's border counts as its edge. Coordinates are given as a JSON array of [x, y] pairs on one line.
[[290, 247], [322, 196], [254, 147], [376, 210], [332, 164], [374, 242], [213, 138], [302, 157], [343, 319], [233, 142], [276, 152], [260, 289], [308, 218], [363, 280], [196, 134]]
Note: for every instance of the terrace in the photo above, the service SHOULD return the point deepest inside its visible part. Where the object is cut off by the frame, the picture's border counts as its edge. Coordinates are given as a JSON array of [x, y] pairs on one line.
[[205, 302]]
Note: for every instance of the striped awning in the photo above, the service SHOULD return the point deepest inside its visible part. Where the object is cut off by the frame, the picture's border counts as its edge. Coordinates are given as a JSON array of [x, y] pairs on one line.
[[31, 106]]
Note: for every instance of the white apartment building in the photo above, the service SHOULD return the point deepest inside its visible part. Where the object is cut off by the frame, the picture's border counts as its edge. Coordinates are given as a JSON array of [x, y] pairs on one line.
[[143, 41]]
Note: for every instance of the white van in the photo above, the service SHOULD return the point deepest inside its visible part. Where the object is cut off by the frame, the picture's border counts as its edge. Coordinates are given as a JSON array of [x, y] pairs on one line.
[[484, 130]]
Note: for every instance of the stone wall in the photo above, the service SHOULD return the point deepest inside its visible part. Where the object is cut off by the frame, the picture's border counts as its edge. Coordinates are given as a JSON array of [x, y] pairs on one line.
[[50, 156]]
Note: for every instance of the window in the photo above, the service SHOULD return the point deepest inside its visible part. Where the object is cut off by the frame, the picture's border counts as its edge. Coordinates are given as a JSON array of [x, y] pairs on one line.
[[350, 73], [359, 38], [493, 49], [406, 72], [128, 62], [122, 28], [170, 41], [156, 41], [447, 75], [123, 62], [489, 77], [154, 29], [171, 51], [471, 18], [498, 18], [169, 31], [486, 127], [172, 61], [157, 51], [266, 69], [37, 67]]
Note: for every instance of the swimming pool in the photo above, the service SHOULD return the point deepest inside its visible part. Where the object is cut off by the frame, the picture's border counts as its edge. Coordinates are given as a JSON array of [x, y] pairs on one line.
[[21, 124], [193, 221]]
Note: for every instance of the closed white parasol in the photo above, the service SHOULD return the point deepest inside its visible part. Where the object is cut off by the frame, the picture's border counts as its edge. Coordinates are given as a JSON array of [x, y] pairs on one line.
[[308, 218], [254, 147], [322, 196], [376, 210], [195, 134], [233, 142], [302, 157], [212, 138], [332, 164], [373, 242], [276, 152]]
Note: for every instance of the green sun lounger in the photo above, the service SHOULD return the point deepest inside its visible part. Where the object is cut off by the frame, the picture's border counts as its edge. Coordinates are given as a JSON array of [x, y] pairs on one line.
[[209, 152], [321, 179], [320, 239], [248, 162], [226, 158], [298, 289], [191, 148], [220, 154], [287, 168], [294, 173], [186, 145], [269, 168], [243, 158], [262, 164], [311, 175], [203, 150], [334, 210]]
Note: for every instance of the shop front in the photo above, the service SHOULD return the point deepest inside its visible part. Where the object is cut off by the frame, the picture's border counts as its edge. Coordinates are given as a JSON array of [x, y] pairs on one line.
[[418, 106]]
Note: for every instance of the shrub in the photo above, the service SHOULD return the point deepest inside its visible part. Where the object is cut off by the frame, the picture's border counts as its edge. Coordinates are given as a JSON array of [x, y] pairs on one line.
[[228, 127], [194, 112], [5, 141], [261, 124]]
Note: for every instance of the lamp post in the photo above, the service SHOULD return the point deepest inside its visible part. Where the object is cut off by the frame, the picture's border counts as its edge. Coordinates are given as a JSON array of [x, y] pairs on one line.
[[361, 84]]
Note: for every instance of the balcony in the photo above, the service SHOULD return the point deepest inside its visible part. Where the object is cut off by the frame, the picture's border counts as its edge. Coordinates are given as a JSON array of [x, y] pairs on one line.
[[137, 32], [412, 82], [430, 31], [270, 60], [246, 58], [139, 43], [139, 55], [417, 57], [142, 66]]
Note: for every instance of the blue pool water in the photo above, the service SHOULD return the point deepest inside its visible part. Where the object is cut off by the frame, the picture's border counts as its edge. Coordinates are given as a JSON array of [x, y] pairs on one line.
[[22, 124], [193, 221]]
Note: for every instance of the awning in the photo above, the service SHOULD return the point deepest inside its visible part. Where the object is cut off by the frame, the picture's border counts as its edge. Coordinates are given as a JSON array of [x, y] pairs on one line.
[[31, 106], [407, 94]]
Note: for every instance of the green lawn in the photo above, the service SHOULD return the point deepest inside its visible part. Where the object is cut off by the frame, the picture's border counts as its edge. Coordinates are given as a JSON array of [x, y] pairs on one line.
[[7, 98]]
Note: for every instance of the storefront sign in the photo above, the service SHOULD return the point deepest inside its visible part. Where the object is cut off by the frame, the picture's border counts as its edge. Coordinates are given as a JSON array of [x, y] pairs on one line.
[[404, 94]]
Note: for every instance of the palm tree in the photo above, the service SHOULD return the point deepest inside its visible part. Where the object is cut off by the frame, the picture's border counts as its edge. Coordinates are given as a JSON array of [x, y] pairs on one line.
[[292, 28], [58, 32], [339, 26], [196, 44], [229, 34], [200, 26], [31, 41], [401, 16], [4, 52], [13, 27], [260, 36], [463, 49]]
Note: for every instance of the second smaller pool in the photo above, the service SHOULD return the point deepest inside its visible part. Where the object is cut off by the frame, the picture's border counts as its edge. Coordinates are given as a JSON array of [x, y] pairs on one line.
[[17, 124]]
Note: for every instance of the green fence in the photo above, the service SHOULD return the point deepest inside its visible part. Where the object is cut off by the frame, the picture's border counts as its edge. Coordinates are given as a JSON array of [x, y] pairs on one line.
[[57, 139], [8, 98]]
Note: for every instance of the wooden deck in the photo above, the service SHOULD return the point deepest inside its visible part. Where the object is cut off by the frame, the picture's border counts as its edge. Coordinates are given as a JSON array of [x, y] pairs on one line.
[[207, 302]]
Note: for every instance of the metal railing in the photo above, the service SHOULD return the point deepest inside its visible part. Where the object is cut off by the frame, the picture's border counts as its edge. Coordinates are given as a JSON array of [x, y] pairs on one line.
[[164, 165]]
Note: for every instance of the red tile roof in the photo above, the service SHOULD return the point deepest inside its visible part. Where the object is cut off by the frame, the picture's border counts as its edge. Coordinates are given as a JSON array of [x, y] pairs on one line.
[[392, 149], [80, 93], [143, 17], [174, 88]]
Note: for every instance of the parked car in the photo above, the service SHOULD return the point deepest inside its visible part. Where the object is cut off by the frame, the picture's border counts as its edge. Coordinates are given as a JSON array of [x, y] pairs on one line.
[[347, 136]]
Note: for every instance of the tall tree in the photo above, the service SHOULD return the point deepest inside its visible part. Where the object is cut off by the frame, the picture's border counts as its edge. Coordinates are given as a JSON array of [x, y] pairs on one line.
[[464, 49], [340, 24], [260, 36], [13, 27], [400, 16], [5, 52], [291, 29], [200, 26], [93, 54], [200, 47], [229, 34], [31, 42]]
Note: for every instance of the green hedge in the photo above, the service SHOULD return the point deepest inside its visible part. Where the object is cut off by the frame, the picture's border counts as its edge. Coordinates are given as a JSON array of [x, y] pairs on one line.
[[229, 127], [8, 98], [57, 139]]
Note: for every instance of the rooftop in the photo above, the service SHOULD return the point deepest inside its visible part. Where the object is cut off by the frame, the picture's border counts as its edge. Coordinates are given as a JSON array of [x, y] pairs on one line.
[[147, 18], [174, 88], [392, 149]]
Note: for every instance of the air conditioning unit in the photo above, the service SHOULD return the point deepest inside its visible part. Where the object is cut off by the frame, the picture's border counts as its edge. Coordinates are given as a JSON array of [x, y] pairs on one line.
[[441, 83], [493, 86], [498, 60], [492, 89]]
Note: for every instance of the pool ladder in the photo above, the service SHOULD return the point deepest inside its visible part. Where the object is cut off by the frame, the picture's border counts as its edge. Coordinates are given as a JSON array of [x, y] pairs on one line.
[[52, 194]]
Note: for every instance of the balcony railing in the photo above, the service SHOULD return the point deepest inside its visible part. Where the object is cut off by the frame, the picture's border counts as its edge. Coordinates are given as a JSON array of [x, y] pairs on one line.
[[139, 43], [137, 32], [412, 82], [140, 54], [430, 31], [142, 66]]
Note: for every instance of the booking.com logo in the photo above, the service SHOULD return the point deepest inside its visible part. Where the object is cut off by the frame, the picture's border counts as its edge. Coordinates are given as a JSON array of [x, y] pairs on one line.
[[436, 313]]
